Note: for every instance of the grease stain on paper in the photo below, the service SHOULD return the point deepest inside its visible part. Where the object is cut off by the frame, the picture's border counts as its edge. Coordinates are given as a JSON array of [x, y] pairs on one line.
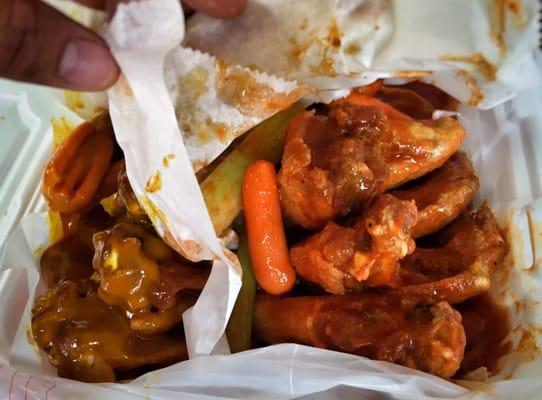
[[154, 183], [193, 121], [61, 130], [499, 12], [74, 101], [238, 87], [411, 74], [478, 60], [476, 94], [166, 159], [325, 47], [153, 211]]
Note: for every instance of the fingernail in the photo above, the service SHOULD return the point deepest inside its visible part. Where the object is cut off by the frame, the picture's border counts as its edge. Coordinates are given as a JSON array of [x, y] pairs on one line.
[[87, 65]]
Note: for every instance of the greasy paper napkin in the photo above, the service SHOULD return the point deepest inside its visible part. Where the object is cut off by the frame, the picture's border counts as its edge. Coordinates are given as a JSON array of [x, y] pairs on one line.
[[479, 51], [140, 35], [216, 101]]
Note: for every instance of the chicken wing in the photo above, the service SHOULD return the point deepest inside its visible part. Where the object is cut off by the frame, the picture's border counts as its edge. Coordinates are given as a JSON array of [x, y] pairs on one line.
[[91, 341], [443, 196], [140, 274], [324, 172], [460, 269], [431, 339], [71, 257], [340, 258], [415, 148], [333, 164], [439, 99], [407, 101]]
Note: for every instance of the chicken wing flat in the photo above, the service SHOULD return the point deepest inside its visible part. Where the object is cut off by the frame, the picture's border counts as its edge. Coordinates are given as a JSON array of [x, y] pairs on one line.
[[340, 258], [416, 99], [378, 326], [415, 148], [460, 269], [407, 101], [443, 196], [91, 341], [141, 275], [336, 163]]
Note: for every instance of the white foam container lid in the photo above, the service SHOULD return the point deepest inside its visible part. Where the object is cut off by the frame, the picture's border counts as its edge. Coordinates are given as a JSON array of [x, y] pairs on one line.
[[26, 142]]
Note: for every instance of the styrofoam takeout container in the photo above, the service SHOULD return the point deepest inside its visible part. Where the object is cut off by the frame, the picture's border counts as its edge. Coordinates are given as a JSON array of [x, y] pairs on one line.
[[505, 145], [26, 138]]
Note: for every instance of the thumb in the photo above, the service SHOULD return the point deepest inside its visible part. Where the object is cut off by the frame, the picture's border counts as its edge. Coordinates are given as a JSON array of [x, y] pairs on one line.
[[40, 45]]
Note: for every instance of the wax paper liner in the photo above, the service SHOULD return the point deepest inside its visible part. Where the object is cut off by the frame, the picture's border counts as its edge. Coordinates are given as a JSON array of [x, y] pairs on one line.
[[480, 51], [141, 34]]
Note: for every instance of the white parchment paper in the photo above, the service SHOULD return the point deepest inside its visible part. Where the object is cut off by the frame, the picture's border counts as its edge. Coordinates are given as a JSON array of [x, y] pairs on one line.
[[480, 51]]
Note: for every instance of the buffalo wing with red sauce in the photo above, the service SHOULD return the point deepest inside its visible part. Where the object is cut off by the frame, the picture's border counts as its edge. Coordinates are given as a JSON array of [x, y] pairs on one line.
[[335, 164], [379, 326], [342, 258], [365, 177]]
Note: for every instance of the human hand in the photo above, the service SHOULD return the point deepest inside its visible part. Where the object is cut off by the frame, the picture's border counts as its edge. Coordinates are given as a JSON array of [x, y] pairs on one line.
[[40, 45]]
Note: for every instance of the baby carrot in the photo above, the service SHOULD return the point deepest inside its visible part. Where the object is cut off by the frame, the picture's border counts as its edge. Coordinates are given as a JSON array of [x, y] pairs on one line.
[[362, 100], [266, 240]]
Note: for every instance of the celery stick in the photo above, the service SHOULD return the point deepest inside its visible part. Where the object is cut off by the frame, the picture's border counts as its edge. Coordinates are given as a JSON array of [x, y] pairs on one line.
[[222, 188], [239, 327]]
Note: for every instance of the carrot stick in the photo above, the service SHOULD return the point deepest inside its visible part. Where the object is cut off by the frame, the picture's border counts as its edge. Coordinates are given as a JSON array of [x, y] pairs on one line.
[[362, 100], [266, 240]]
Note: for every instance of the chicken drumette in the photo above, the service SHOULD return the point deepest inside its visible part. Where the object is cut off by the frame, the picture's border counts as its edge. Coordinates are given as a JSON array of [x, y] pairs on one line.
[[378, 326]]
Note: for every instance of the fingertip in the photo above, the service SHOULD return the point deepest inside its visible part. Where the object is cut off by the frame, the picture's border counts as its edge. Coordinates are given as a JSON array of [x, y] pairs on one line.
[[87, 65], [43, 46]]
